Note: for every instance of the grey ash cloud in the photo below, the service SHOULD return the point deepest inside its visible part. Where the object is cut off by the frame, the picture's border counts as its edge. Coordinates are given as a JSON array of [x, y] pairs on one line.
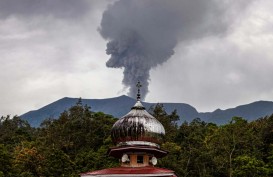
[[143, 34]]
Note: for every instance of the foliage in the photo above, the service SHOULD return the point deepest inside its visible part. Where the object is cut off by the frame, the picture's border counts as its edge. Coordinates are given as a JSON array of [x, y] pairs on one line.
[[5, 161], [79, 139]]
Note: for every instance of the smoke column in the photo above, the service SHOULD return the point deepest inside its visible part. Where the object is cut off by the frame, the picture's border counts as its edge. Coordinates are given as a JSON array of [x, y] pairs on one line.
[[142, 34]]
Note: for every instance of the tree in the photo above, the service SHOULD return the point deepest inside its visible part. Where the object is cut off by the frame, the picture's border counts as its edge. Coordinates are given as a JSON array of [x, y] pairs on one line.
[[27, 160], [169, 121], [174, 159], [57, 163], [80, 137], [14, 130], [5, 161], [247, 166]]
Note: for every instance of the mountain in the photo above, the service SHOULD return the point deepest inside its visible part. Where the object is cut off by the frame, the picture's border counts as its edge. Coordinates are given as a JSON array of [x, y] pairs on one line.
[[121, 105], [250, 112]]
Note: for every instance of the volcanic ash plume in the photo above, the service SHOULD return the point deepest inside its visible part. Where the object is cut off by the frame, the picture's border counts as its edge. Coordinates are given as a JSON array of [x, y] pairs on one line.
[[143, 33], [137, 57]]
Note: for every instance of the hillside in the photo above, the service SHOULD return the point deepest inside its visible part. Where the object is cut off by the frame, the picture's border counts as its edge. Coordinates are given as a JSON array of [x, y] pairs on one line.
[[250, 112], [119, 106]]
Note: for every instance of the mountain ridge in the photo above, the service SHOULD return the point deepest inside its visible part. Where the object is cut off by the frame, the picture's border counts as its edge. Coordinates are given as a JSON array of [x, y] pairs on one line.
[[119, 106]]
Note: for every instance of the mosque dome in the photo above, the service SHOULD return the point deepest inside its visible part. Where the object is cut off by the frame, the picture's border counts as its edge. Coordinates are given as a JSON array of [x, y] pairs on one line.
[[137, 135], [138, 127]]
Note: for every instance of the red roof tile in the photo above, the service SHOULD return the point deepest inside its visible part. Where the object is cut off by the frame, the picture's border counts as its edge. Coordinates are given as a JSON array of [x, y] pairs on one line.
[[131, 170]]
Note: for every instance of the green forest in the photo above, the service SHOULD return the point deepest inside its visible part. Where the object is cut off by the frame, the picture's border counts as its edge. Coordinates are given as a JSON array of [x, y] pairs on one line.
[[78, 141]]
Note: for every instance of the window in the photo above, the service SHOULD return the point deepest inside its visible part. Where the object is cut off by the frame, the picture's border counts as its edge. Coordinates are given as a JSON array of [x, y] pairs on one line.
[[139, 159]]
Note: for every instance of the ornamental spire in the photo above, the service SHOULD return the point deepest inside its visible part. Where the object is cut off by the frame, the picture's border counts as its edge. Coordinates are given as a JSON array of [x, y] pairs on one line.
[[138, 90]]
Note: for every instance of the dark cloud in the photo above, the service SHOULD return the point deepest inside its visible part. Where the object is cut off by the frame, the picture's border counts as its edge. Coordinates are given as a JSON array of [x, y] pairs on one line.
[[143, 34], [56, 8]]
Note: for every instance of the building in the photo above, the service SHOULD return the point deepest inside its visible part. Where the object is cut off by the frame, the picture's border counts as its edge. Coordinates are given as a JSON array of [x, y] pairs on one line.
[[137, 136]]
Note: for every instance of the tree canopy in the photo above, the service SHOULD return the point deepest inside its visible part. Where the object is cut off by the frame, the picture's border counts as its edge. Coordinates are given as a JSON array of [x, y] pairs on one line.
[[78, 141]]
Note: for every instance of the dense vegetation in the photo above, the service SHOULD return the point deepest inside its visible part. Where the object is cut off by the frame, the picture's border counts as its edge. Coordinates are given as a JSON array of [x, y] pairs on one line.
[[78, 142]]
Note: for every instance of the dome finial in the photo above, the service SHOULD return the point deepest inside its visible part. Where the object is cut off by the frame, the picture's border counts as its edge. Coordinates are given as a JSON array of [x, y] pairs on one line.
[[138, 90]]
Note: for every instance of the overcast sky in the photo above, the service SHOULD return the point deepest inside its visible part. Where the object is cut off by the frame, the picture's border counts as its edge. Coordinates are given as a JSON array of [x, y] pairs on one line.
[[50, 49]]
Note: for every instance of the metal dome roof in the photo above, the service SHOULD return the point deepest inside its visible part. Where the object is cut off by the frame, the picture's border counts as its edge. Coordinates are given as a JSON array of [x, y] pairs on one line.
[[138, 127]]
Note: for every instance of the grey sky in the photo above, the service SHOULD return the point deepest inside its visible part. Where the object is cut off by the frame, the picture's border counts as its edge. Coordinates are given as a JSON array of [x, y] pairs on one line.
[[52, 49]]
